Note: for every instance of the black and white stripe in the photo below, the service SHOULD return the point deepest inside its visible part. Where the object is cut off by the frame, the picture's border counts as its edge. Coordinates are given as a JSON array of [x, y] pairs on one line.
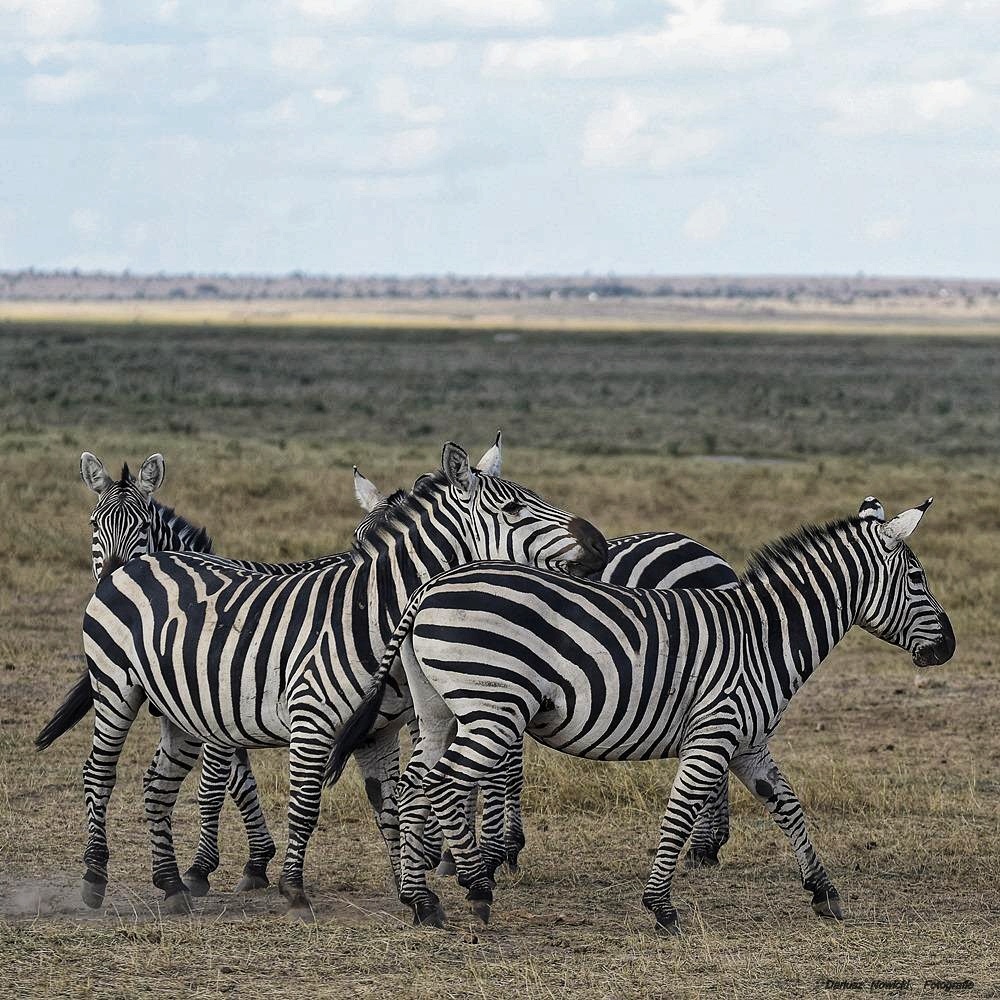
[[611, 673], [127, 522], [240, 659]]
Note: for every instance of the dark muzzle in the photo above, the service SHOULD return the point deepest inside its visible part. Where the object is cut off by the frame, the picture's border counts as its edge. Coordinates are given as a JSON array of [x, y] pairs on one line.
[[110, 565], [594, 545], [940, 651]]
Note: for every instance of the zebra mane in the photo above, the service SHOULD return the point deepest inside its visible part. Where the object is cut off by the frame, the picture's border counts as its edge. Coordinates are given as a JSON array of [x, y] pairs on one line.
[[395, 512], [799, 541], [195, 539]]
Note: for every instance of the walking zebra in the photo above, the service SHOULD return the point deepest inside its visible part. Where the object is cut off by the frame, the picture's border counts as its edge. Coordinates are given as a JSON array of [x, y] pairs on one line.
[[653, 560], [613, 673], [128, 522], [241, 659]]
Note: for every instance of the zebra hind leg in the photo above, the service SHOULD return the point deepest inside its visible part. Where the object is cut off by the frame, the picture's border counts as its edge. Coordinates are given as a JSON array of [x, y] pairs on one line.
[[513, 820], [759, 772], [476, 752], [242, 788], [177, 754], [378, 761], [697, 776], [446, 868], [711, 829], [114, 713]]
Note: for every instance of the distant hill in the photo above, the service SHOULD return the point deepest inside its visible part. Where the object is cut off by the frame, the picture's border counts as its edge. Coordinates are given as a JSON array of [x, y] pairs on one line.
[[71, 286]]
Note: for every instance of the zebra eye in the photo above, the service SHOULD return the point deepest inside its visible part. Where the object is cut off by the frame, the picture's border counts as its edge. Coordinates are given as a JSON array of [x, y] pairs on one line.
[[514, 507]]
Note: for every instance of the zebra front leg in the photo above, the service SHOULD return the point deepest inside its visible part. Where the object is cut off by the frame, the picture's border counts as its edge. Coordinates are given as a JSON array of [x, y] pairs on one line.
[[114, 713], [308, 754], [758, 771], [698, 773], [177, 754], [711, 829], [513, 819], [378, 761]]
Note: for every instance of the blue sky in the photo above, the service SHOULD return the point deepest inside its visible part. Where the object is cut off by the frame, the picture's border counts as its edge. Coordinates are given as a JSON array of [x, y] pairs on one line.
[[522, 136]]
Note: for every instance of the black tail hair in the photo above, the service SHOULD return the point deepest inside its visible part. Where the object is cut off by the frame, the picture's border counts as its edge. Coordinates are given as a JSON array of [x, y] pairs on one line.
[[75, 706], [362, 720]]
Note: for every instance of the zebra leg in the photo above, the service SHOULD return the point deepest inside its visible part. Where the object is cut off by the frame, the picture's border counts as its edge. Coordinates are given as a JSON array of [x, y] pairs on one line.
[[477, 751], [711, 829], [447, 866], [308, 754], [513, 820], [114, 713], [242, 788], [378, 761], [698, 774], [434, 849], [177, 754], [759, 772], [492, 842]]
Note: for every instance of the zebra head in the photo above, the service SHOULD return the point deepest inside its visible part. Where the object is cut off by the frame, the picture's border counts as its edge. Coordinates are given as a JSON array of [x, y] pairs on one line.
[[122, 517], [508, 521], [901, 608]]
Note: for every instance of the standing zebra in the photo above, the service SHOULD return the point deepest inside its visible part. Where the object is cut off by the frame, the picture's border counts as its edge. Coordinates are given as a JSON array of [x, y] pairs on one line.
[[612, 673], [241, 659], [128, 522], [651, 560]]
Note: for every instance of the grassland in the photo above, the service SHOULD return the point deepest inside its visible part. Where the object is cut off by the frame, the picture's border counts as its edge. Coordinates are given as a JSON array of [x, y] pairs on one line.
[[733, 439]]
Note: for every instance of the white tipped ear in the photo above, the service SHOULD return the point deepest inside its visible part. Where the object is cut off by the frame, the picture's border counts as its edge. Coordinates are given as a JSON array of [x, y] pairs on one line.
[[489, 464], [366, 492], [93, 473], [871, 510], [455, 462], [151, 474], [902, 525]]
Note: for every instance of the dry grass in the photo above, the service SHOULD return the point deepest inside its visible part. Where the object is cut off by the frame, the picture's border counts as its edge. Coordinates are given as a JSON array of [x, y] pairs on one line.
[[900, 781]]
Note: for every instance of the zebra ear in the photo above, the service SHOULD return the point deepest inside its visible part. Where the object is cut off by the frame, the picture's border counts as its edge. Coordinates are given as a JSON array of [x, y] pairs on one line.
[[366, 492], [489, 464], [871, 510], [93, 473], [902, 525], [151, 474], [455, 462]]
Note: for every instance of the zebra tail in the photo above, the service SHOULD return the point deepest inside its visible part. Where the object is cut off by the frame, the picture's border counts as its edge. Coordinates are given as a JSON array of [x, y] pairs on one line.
[[75, 706], [362, 720]]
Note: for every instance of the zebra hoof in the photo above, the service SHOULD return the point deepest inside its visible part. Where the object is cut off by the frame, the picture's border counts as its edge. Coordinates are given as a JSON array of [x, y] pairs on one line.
[[198, 884], [446, 867], [512, 865], [251, 882], [178, 902], [92, 889], [428, 913], [480, 903], [666, 923], [826, 904], [701, 859]]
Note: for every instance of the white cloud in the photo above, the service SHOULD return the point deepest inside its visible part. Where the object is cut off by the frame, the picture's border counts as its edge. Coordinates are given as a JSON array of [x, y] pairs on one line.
[[707, 222], [299, 53], [696, 35], [60, 88], [636, 133], [197, 93], [905, 108], [49, 18], [280, 114], [474, 14], [432, 55], [884, 230], [892, 8], [330, 95], [333, 11], [412, 149], [392, 97]]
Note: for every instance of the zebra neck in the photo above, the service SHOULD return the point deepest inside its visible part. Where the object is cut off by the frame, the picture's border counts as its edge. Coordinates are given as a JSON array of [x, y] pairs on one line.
[[799, 606], [169, 532]]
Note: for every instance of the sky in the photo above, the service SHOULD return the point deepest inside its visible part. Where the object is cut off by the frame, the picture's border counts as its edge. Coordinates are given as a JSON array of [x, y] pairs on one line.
[[501, 136]]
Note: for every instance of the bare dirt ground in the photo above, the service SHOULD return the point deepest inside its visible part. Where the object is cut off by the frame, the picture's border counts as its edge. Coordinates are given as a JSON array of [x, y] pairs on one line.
[[899, 771]]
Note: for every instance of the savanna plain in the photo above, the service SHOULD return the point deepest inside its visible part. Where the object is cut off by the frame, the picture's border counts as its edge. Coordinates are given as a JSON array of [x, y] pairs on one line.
[[734, 439]]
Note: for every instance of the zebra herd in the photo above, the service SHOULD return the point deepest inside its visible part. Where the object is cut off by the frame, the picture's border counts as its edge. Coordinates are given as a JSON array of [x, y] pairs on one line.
[[472, 611]]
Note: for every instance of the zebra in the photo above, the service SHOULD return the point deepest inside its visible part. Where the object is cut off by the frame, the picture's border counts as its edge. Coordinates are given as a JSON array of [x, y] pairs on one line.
[[612, 673], [241, 659], [653, 560], [127, 522]]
